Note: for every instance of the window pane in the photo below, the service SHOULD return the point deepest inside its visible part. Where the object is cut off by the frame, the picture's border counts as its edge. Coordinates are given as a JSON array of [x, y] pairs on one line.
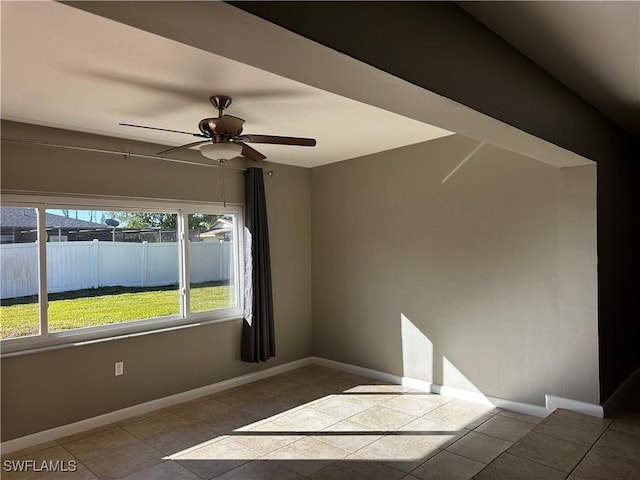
[[106, 267], [19, 312], [211, 262]]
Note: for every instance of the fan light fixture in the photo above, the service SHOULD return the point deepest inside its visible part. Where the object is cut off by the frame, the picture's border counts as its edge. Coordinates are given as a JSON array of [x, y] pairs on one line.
[[221, 151], [223, 136]]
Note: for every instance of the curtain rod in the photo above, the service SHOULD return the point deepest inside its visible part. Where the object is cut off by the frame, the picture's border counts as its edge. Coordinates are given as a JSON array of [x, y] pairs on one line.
[[126, 154]]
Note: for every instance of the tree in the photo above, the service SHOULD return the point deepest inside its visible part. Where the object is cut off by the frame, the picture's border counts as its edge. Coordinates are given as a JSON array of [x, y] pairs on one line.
[[168, 221], [202, 222], [146, 220]]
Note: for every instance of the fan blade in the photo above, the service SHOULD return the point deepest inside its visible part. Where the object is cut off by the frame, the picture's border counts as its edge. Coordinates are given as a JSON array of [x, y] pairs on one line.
[[192, 144], [303, 142], [164, 130], [250, 152], [229, 125]]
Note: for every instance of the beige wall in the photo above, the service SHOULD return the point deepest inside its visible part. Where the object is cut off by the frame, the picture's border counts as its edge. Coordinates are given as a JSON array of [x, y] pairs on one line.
[[49, 389], [485, 282]]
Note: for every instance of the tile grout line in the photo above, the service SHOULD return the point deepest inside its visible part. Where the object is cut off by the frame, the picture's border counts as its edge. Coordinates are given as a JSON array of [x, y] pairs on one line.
[[394, 432], [474, 459], [78, 460], [144, 441], [538, 462], [571, 441], [309, 434], [523, 458], [589, 449], [567, 474]]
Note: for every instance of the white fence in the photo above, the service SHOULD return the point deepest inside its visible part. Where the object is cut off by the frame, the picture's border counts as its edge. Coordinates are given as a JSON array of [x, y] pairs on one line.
[[79, 265]]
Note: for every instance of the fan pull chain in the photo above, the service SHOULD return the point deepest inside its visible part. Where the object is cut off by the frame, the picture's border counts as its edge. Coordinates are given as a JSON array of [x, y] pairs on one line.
[[224, 199]]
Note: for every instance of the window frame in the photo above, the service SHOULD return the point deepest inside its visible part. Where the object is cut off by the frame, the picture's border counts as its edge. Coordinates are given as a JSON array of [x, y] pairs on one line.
[[184, 318]]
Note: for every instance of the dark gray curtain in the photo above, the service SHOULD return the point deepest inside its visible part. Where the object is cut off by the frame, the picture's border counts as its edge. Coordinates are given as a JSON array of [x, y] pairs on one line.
[[258, 338]]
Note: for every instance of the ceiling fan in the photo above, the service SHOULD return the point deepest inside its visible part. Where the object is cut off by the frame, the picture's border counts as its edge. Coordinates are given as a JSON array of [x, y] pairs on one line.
[[224, 137]]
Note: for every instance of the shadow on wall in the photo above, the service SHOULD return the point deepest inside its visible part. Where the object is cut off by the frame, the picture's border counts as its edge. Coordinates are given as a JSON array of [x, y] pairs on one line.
[[420, 361], [426, 367], [494, 269]]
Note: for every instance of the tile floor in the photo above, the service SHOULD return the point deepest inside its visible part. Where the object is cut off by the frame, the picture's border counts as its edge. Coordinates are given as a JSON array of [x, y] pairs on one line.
[[324, 424]]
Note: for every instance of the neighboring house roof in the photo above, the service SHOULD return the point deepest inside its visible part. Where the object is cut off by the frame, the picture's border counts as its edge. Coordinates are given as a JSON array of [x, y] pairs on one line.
[[220, 226], [221, 223], [20, 217]]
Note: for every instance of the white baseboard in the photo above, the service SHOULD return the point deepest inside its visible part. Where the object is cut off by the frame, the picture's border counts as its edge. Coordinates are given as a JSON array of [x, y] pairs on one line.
[[124, 413], [552, 402], [349, 368], [620, 394]]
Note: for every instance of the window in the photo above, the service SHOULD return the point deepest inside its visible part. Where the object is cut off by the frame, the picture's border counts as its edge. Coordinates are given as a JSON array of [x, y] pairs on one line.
[[107, 269], [211, 269], [109, 273], [19, 305]]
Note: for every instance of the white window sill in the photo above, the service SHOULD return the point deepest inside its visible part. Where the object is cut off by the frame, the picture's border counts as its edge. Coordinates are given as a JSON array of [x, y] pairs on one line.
[[83, 343]]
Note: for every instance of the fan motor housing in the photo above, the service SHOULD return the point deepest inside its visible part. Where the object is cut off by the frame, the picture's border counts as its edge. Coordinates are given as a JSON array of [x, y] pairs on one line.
[[208, 126]]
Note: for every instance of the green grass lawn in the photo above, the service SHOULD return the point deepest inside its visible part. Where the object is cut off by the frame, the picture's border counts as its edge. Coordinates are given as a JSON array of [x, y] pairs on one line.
[[90, 308]]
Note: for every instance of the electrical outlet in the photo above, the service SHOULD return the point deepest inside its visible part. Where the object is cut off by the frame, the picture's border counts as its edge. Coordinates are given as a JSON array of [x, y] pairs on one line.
[[119, 368]]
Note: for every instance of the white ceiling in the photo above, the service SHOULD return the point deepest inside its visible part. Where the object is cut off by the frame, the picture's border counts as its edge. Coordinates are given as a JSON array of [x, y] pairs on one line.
[[156, 63], [593, 47], [66, 68]]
